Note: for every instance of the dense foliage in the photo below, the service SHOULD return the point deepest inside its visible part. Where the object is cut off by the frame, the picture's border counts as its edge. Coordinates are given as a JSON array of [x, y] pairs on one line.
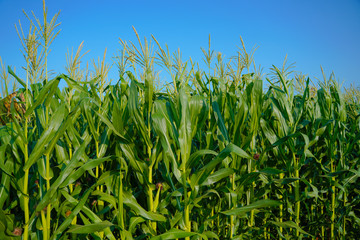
[[215, 156]]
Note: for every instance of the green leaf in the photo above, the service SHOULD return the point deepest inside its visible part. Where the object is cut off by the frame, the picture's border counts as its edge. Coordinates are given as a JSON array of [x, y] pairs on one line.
[[220, 122], [40, 147], [134, 221], [111, 126], [130, 201], [60, 132], [285, 181], [290, 224], [184, 129], [6, 168], [46, 93], [149, 88], [160, 124], [256, 205], [201, 175], [61, 178], [88, 213], [173, 234], [217, 176], [194, 158], [271, 171], [16, 77], [90, 164], [105, 197], [210, 234], [73, 213], [269, 133], [199, 112], [87, 110], [19, 129], [90, 228], [136, 115]]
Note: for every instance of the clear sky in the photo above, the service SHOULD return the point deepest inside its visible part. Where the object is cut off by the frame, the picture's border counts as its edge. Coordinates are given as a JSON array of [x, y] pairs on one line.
[[311, 33]]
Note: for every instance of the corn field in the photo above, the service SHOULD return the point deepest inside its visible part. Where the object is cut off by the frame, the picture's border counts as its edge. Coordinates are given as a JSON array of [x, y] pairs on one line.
[[224, 152]]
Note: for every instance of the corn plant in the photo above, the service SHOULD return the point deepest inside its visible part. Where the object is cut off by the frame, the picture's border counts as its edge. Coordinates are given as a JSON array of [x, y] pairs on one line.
[[222, 153]]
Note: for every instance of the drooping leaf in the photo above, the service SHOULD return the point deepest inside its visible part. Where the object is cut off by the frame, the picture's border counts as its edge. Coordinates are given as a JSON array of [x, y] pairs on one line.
[[290, 224], [256, 205], [89, 228]]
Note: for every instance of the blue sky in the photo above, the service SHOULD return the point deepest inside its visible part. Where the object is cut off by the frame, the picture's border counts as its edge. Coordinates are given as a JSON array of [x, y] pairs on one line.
[[311, 33]]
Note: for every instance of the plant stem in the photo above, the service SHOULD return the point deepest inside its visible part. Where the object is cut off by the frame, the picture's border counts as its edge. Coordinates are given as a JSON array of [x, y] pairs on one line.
[[26, 180], [26, 197], [281, 207], [265, 229], [322, 227], [311, 210], [344, 220], [332, 201], [187, 220], [48, 209], [151, 197], [297, 194], [250, 193], [218, 224], [232, 207], [71, 186], [48, 214], [252, 168], [186, 200], [47, 164], [100, 202], [45, 229], [150, 178], [121, 203], [252, 213]]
